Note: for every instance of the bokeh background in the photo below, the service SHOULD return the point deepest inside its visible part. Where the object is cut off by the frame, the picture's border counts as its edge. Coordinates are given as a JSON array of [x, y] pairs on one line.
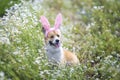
[[90, 28]]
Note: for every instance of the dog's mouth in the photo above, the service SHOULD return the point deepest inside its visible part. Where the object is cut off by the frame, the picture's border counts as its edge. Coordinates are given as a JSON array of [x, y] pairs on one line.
[[57, 44]]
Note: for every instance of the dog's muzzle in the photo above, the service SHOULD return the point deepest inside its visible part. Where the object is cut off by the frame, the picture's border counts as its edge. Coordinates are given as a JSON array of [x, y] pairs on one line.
[[56, 44]]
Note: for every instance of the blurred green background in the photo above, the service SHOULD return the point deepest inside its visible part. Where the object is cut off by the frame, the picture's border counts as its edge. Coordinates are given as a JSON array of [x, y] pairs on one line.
[[91, 29]]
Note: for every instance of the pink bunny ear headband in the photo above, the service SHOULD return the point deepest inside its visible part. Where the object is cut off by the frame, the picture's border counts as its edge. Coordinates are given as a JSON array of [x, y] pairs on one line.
[[46, 24]]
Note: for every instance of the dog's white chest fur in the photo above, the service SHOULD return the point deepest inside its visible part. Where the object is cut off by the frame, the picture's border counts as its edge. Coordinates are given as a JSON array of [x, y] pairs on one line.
[[54, 54]]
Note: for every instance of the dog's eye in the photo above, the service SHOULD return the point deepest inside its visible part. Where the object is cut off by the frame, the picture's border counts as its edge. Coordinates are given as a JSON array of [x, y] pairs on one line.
[[51, 36], [58, 35]]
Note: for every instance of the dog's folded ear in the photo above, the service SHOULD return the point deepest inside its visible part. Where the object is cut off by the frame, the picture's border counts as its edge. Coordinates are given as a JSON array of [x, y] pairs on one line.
[[45, 23], [58, 21], [43, 30]]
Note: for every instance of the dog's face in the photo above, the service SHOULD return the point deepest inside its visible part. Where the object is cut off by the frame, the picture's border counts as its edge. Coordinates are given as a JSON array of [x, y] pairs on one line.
[[53, 38], [52, 35]]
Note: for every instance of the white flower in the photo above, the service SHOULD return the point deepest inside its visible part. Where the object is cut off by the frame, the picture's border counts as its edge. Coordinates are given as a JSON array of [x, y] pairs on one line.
[[4, 40], [16, 52], [98, 7], [2, 75]]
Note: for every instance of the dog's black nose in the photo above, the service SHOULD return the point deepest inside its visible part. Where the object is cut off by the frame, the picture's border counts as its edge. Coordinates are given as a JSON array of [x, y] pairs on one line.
[[57, 41]]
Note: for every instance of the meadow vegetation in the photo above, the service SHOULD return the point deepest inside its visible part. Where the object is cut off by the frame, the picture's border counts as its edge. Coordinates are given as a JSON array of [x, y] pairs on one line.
[[90, 28]]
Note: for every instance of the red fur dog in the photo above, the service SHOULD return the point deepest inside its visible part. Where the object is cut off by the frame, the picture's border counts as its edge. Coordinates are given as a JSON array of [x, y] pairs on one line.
[[54, 50]]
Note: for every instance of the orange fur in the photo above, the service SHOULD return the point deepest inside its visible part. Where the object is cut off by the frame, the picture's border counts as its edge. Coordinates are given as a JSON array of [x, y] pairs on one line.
[[70, 58]]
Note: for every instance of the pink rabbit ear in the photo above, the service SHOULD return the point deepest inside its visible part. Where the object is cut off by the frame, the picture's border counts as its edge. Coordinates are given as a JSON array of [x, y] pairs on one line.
[[58, 21], [45, 23]]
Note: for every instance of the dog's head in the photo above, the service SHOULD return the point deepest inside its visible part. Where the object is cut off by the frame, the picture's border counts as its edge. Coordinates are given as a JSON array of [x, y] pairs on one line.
[[52, 35]]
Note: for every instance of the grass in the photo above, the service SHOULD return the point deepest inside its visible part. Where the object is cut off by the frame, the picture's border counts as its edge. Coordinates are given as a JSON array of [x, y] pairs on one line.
[[94, 36]]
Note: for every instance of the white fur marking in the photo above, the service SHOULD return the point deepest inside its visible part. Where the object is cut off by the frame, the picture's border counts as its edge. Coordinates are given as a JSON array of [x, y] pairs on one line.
[[54, 54]]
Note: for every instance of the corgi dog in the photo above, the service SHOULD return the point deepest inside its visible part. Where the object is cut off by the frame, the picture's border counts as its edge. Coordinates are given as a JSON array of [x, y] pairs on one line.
[[53, 43]]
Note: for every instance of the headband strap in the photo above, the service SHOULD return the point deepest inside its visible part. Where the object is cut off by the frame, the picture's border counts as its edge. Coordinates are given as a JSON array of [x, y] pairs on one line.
[[51, 29]]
